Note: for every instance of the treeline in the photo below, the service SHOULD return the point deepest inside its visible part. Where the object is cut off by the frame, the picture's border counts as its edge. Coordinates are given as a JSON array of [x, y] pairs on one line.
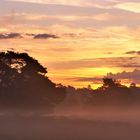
[[24, 85], [110, 93]]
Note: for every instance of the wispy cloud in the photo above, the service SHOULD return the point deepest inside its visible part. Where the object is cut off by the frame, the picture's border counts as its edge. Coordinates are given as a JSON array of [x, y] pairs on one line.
[[130, 62], [95, 80], [71, 2], [39, 17], [82, 3], [129, 6], [133, 6]]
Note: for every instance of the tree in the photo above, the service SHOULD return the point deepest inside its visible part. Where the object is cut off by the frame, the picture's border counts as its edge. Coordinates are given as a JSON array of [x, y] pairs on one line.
[[133, 85], [110, 83], [24, 84]]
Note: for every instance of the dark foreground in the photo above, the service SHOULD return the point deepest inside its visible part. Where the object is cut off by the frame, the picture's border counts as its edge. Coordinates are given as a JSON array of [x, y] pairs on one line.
[[66, 128]]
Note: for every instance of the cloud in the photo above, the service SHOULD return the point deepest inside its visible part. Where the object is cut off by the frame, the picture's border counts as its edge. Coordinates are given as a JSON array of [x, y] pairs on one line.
[[10, 36], [108, 53], [63, 2], [133, 76], [62, 49], [66, 14], [44, 36], [126, 77], [133, 52], [101, 4], [24, 35], [129, 6], [110, 62], [95, 80], [82, 3], [34, 17]]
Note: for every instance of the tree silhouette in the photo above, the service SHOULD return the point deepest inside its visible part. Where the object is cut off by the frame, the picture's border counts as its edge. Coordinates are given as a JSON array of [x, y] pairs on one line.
[[133, 85], [110, 83], [24, 84]]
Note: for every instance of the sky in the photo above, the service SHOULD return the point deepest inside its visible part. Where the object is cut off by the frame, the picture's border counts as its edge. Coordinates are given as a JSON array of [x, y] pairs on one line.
[[78, 41]]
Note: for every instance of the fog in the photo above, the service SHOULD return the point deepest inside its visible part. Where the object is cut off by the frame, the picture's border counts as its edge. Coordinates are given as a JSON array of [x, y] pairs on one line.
[[125, 114], [73, 123]]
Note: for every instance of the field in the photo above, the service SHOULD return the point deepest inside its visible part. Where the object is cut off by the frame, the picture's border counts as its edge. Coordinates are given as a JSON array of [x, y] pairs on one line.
[[64, 125]]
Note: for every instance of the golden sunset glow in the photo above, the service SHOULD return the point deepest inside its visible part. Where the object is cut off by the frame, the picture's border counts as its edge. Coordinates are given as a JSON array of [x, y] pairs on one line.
[[78, 41]]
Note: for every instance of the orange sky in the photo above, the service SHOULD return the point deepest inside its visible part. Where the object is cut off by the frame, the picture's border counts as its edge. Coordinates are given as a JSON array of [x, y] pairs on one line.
[[78, 41]]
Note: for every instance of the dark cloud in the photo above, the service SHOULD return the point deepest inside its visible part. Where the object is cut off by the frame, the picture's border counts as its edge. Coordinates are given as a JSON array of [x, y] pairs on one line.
[[26, 50], [30, 34], [21, 35], [45, 36], [10, 36], [133, 52], [108, 53], [12, 49], [133, 76]]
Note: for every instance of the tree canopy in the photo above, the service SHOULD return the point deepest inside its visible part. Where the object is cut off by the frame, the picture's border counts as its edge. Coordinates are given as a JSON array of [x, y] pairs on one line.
[[24, 84]]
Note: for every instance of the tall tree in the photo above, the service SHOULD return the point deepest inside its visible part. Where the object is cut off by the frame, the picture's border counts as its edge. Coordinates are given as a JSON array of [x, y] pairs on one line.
[[23, 83]]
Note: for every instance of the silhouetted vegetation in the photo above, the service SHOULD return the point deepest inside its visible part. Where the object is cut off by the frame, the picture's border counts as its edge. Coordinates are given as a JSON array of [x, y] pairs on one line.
[[112, 92], [24, 84]]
